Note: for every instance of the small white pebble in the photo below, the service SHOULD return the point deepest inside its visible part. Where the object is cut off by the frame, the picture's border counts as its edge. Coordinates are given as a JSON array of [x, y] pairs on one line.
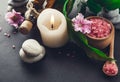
[[5, 34], [13, 46], [8, 35]]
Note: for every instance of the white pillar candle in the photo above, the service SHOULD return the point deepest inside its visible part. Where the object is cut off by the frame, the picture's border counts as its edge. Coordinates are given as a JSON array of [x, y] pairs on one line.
[[53, 28]]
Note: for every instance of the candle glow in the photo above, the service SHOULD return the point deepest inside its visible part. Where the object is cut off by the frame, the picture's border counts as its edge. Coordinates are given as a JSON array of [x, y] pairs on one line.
[[53, 28], [52, 21]]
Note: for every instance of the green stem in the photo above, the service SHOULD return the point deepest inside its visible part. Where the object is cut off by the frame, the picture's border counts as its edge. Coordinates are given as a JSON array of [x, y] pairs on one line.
[[81, 39]]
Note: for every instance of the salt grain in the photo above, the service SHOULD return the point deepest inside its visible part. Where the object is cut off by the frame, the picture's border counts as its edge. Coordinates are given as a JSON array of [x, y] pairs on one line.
[[8, 35], [5, 34], [100, 28], [13, 46]]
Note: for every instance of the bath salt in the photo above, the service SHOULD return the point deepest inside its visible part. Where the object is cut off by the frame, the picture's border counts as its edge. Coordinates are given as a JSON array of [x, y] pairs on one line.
[[100, 28], [110, 69]]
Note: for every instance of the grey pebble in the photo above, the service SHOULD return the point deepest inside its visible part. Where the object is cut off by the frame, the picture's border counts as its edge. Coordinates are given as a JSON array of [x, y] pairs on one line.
[[17, 3], [76, 8]]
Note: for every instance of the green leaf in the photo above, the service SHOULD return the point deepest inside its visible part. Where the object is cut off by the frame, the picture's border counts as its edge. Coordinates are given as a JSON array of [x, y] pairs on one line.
[[109, 4], [68, 6], [73, 34], [93, 6], [81, 40], [91, 51], [61, 2], [97, 54]]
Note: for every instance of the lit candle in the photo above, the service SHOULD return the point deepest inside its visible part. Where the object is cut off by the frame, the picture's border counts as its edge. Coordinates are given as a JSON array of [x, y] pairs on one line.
[[52, 21], [53, 28]]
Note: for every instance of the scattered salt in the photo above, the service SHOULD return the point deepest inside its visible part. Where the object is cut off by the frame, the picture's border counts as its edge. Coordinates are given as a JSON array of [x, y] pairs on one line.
[[8, 35], [13, 46], [5, 34]]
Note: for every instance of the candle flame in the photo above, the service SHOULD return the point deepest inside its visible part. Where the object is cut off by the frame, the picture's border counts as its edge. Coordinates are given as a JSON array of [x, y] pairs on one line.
[[52, 20]]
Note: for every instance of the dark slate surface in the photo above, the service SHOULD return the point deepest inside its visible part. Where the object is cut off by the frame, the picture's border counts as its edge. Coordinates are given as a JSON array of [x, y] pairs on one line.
[[57, 66]]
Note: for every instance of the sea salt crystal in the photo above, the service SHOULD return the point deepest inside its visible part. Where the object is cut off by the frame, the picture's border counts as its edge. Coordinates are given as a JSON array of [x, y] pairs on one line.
[[100, 28], [5, 34], [8, 35], [110, 69], [13, 46]]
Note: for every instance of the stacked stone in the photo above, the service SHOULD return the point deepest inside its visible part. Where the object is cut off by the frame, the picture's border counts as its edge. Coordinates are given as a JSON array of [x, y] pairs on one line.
[[112, 15], [17, 5], [76, 8], [31, 51]]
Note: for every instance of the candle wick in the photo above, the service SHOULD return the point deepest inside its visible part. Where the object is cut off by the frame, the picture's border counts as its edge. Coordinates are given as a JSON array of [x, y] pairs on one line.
[[52, 26]]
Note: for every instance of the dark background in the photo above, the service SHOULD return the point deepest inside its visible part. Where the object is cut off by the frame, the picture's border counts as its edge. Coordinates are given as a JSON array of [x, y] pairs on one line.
[[66, 64]]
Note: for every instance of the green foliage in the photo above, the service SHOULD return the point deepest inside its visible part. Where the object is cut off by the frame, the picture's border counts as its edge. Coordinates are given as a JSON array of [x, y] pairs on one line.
[[70, 5], [109, 4], [81, 39], [93, 6], [61, 2]]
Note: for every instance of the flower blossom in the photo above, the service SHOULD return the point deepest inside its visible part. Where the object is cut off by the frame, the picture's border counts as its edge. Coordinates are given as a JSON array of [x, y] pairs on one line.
[[81, 24], [14, 18]]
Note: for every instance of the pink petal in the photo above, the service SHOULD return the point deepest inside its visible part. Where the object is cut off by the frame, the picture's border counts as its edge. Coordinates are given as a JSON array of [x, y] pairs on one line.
[[14, 18]]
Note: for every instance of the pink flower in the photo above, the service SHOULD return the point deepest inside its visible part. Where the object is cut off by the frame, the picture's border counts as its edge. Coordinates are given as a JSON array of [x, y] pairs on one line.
[[81, 24], [14, 18]]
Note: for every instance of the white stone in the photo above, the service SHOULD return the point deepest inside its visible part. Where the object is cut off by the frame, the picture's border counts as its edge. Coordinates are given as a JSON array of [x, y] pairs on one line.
[[112, 15], [28, 59], [109, 14], [76, 8], [115, 20], [31, 47], [9, 8], [31, 51]]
